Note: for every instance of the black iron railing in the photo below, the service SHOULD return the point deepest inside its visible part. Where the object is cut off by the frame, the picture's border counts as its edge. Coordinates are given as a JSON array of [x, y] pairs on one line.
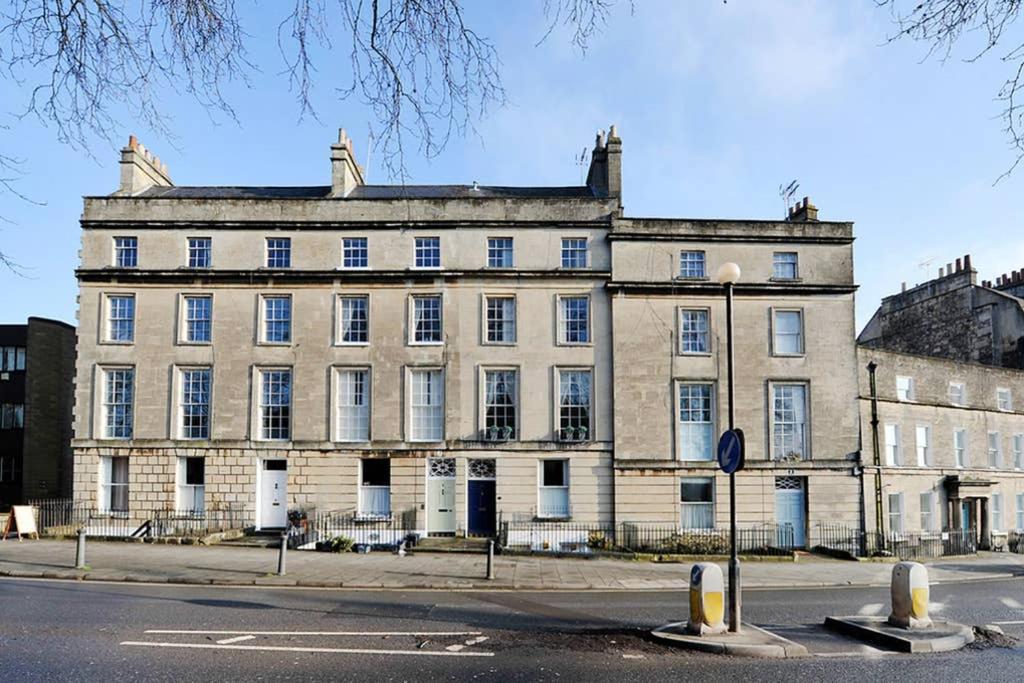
[[376, 532], [634, 537], [838, 538], [64, 517]]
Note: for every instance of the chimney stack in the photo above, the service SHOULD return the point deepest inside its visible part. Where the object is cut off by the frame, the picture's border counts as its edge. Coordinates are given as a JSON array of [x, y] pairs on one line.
[[804, 212], [605, 175], [345, 172], [140, 170]]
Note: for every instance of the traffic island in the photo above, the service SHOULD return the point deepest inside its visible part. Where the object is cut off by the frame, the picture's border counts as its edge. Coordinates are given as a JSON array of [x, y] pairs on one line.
[[941, 636], [751, 641]]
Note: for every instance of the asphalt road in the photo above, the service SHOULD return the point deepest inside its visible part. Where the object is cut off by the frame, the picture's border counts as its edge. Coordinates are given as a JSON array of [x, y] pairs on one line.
[[61, 631]]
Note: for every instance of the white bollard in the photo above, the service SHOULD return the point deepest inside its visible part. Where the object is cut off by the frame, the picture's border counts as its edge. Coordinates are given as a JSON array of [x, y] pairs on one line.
[[910, 596], [707, 599]]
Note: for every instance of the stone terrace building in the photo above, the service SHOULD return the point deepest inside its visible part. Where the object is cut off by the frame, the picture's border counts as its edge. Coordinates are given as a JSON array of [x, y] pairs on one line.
[[453, 351], [950, 432]]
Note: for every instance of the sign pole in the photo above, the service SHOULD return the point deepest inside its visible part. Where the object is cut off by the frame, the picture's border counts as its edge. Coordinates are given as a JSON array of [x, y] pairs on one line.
[[734, 561]]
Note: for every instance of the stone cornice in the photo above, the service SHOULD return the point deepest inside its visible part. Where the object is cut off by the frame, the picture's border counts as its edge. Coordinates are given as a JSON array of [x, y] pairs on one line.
[[273, 276], [681, 287]]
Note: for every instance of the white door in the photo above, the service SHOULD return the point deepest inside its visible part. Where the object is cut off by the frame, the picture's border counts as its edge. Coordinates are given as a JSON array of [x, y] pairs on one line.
[[441, 496], [273, 510], [790, 509]]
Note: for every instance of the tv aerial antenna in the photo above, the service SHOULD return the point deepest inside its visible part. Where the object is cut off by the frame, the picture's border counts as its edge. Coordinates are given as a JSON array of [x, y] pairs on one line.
[[581, 161], [786, 192]]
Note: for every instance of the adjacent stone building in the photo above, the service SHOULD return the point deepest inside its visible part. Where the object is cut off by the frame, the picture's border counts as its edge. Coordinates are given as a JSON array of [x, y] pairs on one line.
[[453, 353], [37, 363], [950, 416]]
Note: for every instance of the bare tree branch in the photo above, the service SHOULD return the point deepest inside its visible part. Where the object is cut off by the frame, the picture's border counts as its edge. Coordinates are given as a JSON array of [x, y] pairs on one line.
[[945, 24]]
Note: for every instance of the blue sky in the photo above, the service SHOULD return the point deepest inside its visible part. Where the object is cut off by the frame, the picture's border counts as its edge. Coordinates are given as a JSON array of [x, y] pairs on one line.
[[717, 104]]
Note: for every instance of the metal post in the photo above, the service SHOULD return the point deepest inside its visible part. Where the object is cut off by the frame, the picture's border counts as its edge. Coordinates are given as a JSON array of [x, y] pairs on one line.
[[490, 560], [734, 560], [281, 553], [879, 518], [80, 550]]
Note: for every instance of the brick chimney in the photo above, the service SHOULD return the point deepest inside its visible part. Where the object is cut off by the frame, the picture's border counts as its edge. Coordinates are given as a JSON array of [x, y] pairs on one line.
[[803, 212], [605, 175], [345, 172], [141, 170]]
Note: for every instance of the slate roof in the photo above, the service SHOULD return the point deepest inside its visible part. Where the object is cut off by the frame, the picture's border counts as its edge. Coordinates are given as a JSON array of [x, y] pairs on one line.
[[371, 192]]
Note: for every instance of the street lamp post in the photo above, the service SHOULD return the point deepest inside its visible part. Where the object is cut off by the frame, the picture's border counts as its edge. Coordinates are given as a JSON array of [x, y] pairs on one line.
[[728, 274]]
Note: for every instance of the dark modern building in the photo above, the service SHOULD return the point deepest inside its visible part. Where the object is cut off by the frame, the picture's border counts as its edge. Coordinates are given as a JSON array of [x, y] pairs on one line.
[[37, 368]]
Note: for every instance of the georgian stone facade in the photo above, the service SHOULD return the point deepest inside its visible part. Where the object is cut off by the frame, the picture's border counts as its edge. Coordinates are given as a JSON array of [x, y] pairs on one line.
[[212, 372]]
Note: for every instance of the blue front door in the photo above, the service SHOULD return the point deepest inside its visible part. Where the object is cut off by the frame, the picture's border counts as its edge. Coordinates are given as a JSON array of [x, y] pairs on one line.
[[481, 507], [791, 507]]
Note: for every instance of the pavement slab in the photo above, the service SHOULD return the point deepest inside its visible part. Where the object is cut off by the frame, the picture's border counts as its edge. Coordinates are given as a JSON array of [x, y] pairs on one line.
[[225, 565]]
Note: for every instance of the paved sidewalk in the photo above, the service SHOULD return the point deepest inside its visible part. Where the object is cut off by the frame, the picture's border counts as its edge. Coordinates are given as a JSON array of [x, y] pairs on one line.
[[115, 561]]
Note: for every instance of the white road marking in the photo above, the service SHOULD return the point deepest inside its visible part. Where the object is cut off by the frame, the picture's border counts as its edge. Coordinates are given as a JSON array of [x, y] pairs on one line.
[[1011, 603], [632, 656], [471, 641], [870, 609], [329, 650], [236, 639], [1007, 623], [874, 653], [315, 633], [936, 606]]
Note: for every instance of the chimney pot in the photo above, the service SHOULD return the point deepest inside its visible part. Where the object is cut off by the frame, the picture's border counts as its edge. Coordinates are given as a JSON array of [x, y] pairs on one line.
[[141, 169], [959, 265], [940, 271], [967, 262], [903, 288]]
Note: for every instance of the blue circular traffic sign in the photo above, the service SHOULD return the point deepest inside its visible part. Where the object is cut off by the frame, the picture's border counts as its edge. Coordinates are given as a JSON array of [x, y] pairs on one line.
[[730, 451]]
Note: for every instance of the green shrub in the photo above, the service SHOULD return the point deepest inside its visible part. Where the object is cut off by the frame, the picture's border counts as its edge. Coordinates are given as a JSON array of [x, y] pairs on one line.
[[596, 540], [697, 544], [341, 544]]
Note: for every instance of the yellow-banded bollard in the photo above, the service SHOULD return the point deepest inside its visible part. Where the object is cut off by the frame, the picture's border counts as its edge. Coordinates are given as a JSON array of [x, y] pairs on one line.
[[910, 595], [707, 599]]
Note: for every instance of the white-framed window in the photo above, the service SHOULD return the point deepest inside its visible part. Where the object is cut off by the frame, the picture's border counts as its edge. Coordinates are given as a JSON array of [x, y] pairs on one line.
[[126, 252], [275, 404], [352, 395], [893, 446], [1004, 399], [191, 485], [194, 404], [9, 469], [375, 488], [696, 422], [500, 318], [426, 405], [121, 318], [113, 484], [692, 264], [697, 503], [574, 319], [197, 318], [1020, 511], [995, 450], [499, 252], [923, 439], [427, 320], [1018, 451], [118, 402], [996, 503], [354, 319], [279, 252], [896, 513], [788, 332], [12, 358], [277, 318], [575, 252], [200, 252], [904, 388], [693, 331], [12, 416], [927, 499], [428, 252], [575, 405], [553, 489], [960, 447], [957, 394], [501, 399], [355, 252], [789, 422], [785, 265]]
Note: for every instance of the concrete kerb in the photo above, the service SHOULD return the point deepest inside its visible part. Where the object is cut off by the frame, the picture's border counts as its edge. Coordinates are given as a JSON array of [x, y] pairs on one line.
[[751, 641], [942, 636]]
